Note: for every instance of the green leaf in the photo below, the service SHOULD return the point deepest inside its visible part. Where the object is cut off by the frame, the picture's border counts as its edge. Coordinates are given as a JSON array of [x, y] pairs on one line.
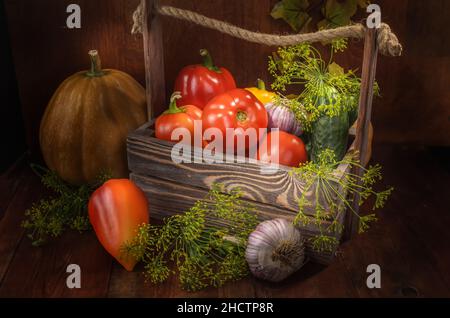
[[363, 3], [294, 12], [338, 13]]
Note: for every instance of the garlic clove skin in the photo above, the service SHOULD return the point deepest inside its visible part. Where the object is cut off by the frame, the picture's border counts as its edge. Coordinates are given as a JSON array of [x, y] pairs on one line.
[[283, 118], [275, 250]]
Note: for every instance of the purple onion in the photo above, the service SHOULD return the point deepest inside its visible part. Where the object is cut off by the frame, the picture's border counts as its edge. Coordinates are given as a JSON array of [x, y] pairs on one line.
[[283, 118]]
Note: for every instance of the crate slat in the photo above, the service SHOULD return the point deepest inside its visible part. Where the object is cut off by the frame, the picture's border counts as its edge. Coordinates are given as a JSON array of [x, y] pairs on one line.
[[174, 188], [152, 157], [167, 198]]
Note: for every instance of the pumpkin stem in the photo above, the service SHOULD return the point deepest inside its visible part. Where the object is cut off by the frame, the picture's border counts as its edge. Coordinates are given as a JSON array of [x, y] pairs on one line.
[[261, 85], [173, 108], [208, 61], [96, 64]]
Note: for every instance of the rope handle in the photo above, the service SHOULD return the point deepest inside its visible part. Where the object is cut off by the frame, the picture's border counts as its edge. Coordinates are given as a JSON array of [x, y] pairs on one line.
[[387, 41]]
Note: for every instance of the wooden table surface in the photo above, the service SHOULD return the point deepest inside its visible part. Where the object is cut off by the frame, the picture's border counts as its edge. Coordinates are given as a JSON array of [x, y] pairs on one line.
[[411, 243]]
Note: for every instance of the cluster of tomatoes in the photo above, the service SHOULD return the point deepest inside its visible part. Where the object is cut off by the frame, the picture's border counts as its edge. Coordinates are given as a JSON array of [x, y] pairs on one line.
[[209, 94]]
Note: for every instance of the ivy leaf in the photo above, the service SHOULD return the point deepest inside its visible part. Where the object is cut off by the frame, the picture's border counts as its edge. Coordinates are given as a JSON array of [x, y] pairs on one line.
[[363, 3], [294, 12], [338, 13]]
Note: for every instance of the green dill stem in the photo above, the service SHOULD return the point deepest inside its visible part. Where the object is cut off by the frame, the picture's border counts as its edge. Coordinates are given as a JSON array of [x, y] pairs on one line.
[[39, 170], [354, 188], [344, 200], [325, 191], [331, 56], [197, 249], [317, 198]]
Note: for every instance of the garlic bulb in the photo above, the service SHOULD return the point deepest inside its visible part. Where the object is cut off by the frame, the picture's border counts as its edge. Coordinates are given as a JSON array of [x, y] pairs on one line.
[[275, 250], [283, 118]]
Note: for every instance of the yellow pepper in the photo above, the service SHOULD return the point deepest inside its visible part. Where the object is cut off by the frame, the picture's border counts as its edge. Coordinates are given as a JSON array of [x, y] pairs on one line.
[[260, 92]]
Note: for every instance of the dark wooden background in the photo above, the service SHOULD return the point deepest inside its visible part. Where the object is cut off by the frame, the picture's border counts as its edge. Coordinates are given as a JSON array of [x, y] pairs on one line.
[[415, 107], [10, 104], [411, 249]]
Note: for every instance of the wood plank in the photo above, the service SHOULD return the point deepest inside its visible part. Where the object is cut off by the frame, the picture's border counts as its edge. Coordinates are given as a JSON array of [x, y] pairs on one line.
[[400, 252], [41, 272], [126, 284], [28, 190], [244, 288], [423, 201], [134, 284], [153, 57], [410, 241], [411, 250], [362, 138], [10, 181], [152, 157], [167, 199], [27, 271], [311, 281]]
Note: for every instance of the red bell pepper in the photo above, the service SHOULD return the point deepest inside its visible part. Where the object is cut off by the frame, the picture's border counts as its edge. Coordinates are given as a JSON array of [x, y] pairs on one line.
[[116, 210], [198, 84]]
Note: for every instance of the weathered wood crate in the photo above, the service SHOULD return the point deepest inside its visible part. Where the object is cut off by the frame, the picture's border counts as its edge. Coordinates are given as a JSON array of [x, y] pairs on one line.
[[173, 188]]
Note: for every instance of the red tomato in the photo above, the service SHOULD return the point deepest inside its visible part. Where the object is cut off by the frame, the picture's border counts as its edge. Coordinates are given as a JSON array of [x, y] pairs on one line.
[[198, 84], [291, 150], [237, 108], [116, 210], [176, 117]]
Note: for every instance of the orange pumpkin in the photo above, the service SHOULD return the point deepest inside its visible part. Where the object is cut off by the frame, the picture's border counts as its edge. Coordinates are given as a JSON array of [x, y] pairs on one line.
[[85, 126]]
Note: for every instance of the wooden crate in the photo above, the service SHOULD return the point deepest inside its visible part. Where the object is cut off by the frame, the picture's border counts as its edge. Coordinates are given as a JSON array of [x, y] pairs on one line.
[[173, 188]]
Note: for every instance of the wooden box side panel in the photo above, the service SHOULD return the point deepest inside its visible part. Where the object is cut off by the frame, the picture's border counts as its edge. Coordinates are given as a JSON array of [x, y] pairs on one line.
[[167, 198], [149, 156]]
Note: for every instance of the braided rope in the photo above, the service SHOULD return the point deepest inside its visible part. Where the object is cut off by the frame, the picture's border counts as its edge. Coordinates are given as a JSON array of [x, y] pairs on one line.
[[387, 40]]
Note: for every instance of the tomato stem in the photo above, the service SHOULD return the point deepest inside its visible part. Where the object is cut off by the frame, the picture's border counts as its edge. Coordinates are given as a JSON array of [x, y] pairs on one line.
[[241, 116], [173, 108], [96, 64], [208, 61], [261, 85]]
